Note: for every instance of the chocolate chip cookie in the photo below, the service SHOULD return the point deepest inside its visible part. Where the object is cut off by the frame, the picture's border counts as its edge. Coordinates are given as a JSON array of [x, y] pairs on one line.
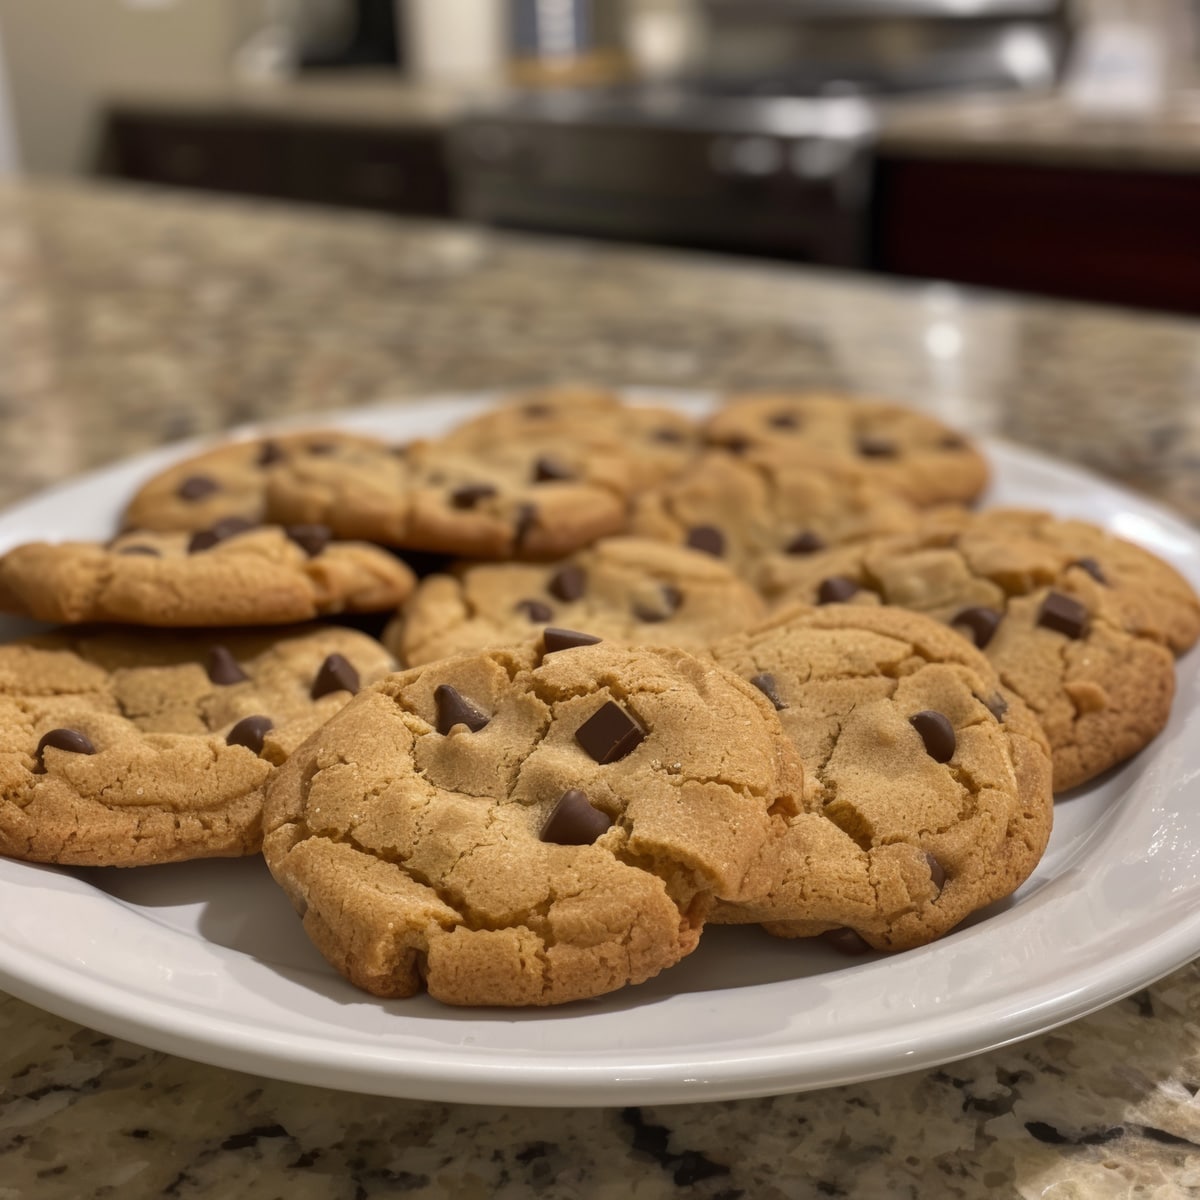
[[910, 452], [629, 590], [130, 749], [529, 825], [1080, 624], [227, 575], [927, 783]]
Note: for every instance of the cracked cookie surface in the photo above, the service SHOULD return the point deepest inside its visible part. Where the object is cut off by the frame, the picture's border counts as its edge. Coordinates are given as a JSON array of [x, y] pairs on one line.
[[260, 576], [630, 590], [1080, 624], [909, 452], [527, 828], [139, 748], [927, 784]]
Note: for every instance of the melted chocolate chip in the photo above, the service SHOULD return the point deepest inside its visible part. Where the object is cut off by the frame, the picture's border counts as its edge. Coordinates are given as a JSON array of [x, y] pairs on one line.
[[937, 733], [249, 732], [766, 684], [453, 708], [737, 444], [870, 446], [952, 441], [536, 410], [555, 639], [336, 674], [70, 740], [1063, 614], [525, 518], [535, 610], [196, 487], [568, 583], [707, 538], [312, 539], [837, 589], [223, 668], [321, 449], [846, 941], [670, 436], [937, 873], [470, 494], [551, 470], [609, 734], [1093, 568], [805, 543], [981, 623], [784, 419], [269, 453], [148, 551], [996, 705], [227, 527], [574, 822], [671, 599]]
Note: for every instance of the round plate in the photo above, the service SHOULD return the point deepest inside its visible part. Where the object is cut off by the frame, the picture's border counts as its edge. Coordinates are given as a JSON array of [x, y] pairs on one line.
[[207, 959]]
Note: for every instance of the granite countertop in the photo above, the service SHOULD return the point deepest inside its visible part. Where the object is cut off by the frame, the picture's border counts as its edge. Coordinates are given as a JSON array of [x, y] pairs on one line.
[[128, 319]]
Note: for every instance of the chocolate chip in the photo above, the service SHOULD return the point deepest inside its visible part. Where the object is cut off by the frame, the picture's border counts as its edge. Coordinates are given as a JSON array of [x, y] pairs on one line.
[[876, 447], [470, 494], [1063, 614], [227, 527], [249, 732], [937, 873], [610, 734], [707, 538], [535, 610], [846, 941], [551, 470], [335, 675], [574, 822], [937, 733], [569, 583], [70, 740], [321, 449], [805, 543], [671, 599], [952, 441], [737, 444], [453, 708], [525, 518], [223, 668], [669, 436], [312, 539], [196, 487], [1092, 567], [783, 420], [536, 410], [996, 705], [837, 589], [554, 639], [766, 684], [981, 623], [269, 453], [148, 551]]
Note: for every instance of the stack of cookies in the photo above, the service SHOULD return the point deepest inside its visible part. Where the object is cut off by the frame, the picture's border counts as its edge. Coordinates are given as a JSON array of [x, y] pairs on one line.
[[760, 669]]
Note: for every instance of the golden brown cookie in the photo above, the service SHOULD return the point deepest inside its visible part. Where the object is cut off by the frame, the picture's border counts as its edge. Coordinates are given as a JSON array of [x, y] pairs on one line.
[[1080, 624], [146, 747], [927, 784], [228, 575], [629, 590], [909, 452], [528, 826]]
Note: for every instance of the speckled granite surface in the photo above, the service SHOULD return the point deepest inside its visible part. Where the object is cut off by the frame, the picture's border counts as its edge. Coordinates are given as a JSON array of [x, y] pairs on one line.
[[128, 320]]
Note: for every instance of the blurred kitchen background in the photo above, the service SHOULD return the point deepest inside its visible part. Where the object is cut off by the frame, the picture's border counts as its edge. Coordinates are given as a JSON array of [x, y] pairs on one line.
[[1048, 146]]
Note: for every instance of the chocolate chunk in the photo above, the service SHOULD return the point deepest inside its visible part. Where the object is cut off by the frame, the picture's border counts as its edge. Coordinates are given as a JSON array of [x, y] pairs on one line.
[[548, 469], [535, 610], [525, 518], [1063, 614], [536, 410], [453, 708], [737, 444], [269, 453], [610, 734], [196, 487], [784, 420], [805, 543], [321, 449], [672, 598], [227, 527], [876, 447], [837, 589], [996, 705], [70, 740], [707, 538], [223, 668], [249, 732], [470, 494], [937, 733], [1092, 567], [312, 539], [766, 684], [574, 822], [981, 623], [569, 583], [138, 548], [671, 437], [554, 639], [937, 872], [336, 675], [846, 941]]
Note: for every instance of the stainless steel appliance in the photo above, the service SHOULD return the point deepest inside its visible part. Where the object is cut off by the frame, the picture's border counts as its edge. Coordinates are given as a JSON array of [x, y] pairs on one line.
[[768, 147]]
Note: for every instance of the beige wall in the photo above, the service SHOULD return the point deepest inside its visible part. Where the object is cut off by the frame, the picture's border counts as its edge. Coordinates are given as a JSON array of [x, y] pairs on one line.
[[65, 56]]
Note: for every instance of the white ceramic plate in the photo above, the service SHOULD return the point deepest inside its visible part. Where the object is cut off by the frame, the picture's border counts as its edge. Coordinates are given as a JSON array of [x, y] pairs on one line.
[[207, 959]]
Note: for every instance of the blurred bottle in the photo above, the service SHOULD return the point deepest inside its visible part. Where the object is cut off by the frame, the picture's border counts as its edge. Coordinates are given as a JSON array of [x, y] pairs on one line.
[[454, 41], [569, 43]]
